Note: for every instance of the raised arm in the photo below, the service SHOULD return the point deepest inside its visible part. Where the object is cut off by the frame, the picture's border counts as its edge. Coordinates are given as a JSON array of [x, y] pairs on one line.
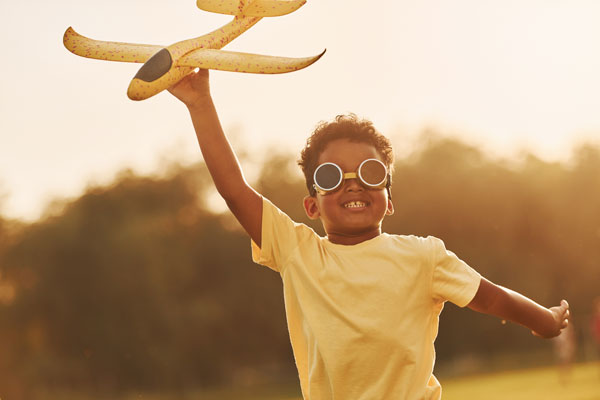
[[243, 201], [510, 305]]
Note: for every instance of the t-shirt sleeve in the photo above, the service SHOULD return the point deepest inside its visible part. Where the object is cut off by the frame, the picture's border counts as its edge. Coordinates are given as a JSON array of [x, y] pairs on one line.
[[453, 279], [280, 236]]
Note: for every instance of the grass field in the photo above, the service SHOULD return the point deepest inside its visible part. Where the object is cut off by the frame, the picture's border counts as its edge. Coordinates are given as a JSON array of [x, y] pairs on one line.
[[583, 383]]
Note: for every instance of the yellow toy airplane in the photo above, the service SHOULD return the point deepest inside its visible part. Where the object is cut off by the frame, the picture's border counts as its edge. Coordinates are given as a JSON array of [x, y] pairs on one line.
[[165, 66]]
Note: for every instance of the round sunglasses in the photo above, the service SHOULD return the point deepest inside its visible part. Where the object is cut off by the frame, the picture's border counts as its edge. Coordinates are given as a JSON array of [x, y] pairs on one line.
[[371, 173]]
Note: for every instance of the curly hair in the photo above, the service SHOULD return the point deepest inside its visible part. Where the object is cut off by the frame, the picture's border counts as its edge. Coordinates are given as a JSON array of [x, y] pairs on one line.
[[342, 127]]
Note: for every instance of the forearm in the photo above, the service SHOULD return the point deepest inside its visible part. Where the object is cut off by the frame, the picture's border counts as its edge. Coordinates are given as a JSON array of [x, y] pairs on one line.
[[510, 305], [517, 308], [217, 152]]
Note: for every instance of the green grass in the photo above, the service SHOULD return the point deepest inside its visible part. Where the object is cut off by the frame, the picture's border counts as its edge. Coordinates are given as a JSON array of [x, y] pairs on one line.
[[583, 383]]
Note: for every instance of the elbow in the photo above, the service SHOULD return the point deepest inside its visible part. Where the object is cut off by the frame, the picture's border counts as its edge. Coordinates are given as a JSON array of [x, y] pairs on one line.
[[227, 194], [487, 297]]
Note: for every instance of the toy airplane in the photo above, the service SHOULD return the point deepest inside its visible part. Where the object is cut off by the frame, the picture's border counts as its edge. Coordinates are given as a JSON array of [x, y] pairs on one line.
[[165, 66]]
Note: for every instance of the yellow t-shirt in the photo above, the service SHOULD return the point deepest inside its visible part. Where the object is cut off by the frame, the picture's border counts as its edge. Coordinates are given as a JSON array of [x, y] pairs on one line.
[[362, 319]]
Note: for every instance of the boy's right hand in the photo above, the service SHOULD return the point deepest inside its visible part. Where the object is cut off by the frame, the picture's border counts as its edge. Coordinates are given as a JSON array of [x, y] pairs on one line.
[[193, 90]]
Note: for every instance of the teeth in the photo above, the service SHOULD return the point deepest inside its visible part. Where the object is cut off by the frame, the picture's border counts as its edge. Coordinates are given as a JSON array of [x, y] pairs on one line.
[[355, 204]]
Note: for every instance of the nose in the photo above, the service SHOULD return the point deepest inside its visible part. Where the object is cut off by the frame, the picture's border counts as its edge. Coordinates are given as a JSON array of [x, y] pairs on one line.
[[353, 185]]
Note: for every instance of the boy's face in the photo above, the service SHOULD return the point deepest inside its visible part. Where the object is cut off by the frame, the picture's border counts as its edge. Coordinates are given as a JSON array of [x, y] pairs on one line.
[[353, 213]]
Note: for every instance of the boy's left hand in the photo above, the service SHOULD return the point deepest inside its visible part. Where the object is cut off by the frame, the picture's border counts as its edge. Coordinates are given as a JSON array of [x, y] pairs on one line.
[[561, 318]]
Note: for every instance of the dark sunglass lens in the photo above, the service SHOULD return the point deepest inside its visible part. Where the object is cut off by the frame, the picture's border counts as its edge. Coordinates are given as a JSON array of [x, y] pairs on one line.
[[373, 172], [327, 176]]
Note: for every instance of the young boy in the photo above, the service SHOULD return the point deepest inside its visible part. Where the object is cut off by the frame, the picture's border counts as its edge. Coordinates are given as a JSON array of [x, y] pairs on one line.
[[362, 306]]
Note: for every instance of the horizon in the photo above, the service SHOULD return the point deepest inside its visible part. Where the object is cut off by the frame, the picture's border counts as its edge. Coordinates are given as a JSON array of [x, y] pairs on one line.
[[167, 164]]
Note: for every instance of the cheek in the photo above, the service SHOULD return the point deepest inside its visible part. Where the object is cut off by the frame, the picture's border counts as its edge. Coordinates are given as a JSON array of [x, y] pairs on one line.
[[328, 203], [381, 200]]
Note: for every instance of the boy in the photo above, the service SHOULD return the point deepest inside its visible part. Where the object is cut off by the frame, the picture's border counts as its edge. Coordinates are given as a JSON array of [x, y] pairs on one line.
[[362, 306]]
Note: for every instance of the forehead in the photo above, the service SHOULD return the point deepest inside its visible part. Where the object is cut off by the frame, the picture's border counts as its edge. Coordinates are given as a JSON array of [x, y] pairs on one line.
[[347, 154]]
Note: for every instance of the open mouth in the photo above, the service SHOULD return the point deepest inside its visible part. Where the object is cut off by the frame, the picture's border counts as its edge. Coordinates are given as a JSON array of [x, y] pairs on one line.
[[355, 204]]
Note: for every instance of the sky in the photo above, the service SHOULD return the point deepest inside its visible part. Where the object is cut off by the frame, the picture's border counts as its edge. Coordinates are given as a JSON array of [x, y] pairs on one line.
[[506, 76]]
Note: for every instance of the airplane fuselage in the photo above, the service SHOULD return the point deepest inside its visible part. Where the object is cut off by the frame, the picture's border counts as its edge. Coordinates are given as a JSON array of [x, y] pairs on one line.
[[161, 71]]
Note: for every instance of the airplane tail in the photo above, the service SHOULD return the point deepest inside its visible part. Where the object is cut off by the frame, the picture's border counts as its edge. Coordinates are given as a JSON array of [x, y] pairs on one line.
[[251, 8]]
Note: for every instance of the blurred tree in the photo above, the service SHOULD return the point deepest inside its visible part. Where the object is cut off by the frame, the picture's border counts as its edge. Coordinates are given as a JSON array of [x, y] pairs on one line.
[[136, 285]]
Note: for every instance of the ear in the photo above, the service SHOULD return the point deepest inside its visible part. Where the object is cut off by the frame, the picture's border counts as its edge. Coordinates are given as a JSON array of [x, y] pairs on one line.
[[390, 207], [311, 207]]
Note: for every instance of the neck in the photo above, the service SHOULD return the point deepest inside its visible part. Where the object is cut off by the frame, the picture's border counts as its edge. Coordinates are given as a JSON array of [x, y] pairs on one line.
[[352, 238]]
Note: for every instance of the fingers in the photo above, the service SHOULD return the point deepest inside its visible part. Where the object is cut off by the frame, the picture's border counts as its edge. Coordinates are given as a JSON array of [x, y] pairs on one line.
[[565, 314], [199, 79], [201, 72], [192, 88], [198, 75]]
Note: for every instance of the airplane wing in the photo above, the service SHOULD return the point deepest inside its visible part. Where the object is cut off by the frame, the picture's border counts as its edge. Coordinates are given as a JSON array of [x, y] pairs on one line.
[[110, 51], [244, 62], [251, 8]]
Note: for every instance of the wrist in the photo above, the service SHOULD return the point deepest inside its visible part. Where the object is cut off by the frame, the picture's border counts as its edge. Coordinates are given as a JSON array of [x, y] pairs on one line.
[[200, 103], [548, 325]]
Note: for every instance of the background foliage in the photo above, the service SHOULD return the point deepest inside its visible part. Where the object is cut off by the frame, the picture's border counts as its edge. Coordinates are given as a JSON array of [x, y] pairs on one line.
[[139, 285]]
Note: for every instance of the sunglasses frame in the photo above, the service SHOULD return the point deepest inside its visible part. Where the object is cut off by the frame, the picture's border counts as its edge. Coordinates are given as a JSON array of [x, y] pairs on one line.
[[384, 184]]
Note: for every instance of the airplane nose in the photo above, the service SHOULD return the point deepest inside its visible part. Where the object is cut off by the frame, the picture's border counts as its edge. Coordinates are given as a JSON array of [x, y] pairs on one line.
[[137, 90], [156, 66]]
